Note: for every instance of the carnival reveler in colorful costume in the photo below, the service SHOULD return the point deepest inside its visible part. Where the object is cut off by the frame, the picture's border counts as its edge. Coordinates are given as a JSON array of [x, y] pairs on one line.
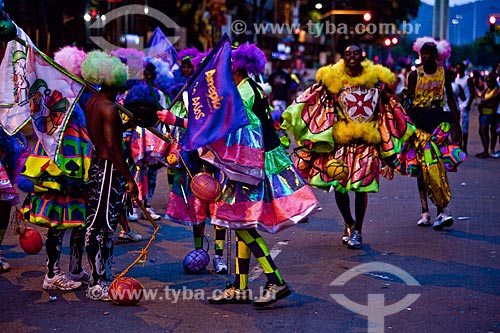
[[159, 146], [183, 207], [109, 173], [281, 198], [134, 59], [163, 76], [147, 150], [431, 151], [13, 153], [57, 198], [186, 69], [348, 115]]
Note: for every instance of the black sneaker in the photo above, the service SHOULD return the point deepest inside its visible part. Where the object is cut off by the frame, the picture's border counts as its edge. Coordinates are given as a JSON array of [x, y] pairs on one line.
[[231, 295], [272, 293]]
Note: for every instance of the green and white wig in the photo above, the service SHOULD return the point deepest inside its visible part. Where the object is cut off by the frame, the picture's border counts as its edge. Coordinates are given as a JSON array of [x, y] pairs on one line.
[[102, 69]]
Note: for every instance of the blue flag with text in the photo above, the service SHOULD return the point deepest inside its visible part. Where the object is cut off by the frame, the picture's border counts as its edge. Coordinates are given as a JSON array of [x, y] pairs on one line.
[[215, 106]]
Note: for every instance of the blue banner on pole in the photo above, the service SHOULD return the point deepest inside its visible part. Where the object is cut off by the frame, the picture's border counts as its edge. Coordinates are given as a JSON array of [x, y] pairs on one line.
[[215, 105]]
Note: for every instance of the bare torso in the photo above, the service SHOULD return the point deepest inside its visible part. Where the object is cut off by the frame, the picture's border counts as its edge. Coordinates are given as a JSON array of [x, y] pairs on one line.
[[104, 126], [98, 111]]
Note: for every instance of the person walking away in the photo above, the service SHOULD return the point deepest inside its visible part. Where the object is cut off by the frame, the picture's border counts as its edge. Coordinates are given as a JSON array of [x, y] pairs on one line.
[[57, 202], [280, 200]]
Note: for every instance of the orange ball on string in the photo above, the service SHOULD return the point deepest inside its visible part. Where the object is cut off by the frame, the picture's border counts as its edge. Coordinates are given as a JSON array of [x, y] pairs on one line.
[[205, 187]]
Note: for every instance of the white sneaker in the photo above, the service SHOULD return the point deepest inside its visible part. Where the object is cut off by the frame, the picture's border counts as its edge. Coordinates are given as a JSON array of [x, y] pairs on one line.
[[132, 216], [82, 277], [99, 292], [129, 236], [220, 266], [60, 281], [443, 220], [4, 265], [151, 212], [425, 220]]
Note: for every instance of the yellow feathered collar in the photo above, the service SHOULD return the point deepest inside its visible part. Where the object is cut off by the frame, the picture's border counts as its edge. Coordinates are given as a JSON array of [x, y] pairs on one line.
[[335, 77]]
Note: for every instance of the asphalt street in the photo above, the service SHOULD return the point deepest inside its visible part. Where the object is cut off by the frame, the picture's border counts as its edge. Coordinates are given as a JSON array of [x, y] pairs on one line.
[[404, 279]]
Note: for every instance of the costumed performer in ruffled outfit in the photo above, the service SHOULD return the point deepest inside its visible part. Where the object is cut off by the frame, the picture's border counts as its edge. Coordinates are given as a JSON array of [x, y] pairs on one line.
[[147, 149], [281, 198], [183, 207], [56, 200], [431, 152], [349, 115]]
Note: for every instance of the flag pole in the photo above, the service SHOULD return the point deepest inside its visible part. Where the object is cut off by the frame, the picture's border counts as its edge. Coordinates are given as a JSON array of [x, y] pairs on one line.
[[200, 68]]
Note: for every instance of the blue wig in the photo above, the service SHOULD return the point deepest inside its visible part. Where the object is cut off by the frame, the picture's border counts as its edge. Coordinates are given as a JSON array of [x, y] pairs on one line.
[[11, 149], [77, 116], [141, 93], [25, 185], [175, 89]]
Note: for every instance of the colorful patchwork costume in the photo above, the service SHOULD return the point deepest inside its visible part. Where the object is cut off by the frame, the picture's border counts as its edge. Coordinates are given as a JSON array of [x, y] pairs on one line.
[[430, 152], [57, 199], [281, 198], [352, 119], [348, 117]]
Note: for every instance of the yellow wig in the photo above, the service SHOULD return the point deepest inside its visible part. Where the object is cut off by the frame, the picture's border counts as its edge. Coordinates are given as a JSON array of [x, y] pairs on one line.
[[335, 77]]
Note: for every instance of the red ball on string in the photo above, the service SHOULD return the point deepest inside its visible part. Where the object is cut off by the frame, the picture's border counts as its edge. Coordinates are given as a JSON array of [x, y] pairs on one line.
[[125, 291], [30, 240]]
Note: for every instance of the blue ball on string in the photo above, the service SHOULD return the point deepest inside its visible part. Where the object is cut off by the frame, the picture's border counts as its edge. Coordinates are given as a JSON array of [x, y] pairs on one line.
[[195, 261]]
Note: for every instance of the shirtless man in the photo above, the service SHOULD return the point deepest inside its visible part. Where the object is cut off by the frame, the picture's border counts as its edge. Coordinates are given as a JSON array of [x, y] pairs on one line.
[[109, 174]]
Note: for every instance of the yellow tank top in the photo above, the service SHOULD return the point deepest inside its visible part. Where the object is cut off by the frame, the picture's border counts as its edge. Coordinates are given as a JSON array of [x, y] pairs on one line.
[[488, 94], [429, 91]]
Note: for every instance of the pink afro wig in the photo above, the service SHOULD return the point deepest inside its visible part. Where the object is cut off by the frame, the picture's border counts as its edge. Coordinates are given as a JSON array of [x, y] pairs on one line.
[[71, 58], [443, 47], [249, 58]]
